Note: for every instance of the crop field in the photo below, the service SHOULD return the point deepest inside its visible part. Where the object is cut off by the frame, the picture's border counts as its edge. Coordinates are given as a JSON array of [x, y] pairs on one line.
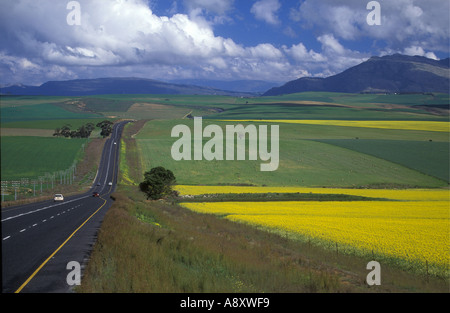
[[392, 194], [303, 161], [32, 157], [411, 234], [405, 125], [410, 231], [408, 153], [44, 111], [30, 154]]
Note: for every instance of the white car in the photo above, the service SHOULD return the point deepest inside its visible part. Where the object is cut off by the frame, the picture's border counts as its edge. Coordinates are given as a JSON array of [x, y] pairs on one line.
[[58, 197], [110, 183]]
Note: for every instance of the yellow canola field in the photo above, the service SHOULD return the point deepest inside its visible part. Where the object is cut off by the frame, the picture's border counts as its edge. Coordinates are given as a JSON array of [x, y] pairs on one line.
[[414, 228], [413, 231], [394, 194], [402, 125]]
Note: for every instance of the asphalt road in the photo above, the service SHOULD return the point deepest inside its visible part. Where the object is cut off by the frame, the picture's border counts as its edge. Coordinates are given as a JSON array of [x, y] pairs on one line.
[[39, 240]]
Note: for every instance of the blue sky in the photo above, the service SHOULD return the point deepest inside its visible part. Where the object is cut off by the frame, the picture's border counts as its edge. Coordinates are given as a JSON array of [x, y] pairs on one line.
[[274, 40]]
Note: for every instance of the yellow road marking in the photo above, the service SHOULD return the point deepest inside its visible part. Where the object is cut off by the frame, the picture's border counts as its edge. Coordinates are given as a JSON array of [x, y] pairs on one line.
[[62, 245], [56, 251]]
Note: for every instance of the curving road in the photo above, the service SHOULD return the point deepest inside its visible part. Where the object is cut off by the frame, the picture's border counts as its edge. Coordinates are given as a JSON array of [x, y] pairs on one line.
[[40, 239]]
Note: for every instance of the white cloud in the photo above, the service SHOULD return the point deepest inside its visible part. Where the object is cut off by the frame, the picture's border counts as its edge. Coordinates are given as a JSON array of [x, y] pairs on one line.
[[265, 51], [415, 50], [19, 70], [126, 38], [266, 10], [332, 59], [329, 43], [300, 53], [128, 35], [215, 6], [402, 21]]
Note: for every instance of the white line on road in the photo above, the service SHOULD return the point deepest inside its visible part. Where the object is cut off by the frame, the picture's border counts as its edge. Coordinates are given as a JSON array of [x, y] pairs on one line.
[[41, 209]]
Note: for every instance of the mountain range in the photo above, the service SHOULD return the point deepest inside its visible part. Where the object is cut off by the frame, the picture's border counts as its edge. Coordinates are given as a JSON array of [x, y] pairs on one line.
[[389, 74], [115, 85]]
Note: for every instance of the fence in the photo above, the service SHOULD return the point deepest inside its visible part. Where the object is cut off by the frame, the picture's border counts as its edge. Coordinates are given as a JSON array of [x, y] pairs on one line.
[[31, 187]]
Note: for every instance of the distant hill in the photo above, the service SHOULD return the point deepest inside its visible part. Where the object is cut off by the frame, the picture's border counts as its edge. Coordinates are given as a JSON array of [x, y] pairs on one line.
[[100, 86], [256, 86], [395, 73]]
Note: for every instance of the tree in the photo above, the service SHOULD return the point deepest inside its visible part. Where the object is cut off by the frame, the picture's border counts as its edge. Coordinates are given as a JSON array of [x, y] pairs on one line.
[[106, 127], [57, 132], [65, 130], [157, 183]]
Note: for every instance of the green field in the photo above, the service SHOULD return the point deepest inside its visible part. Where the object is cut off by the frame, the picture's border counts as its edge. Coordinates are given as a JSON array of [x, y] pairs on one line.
[[44, 111], [31, 157], [428, 157], [303, 162], [310, 155], [52, 124], [308, 105]]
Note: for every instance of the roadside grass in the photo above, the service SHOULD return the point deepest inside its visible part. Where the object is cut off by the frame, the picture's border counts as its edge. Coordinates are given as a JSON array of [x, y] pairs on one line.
[[157, 247]]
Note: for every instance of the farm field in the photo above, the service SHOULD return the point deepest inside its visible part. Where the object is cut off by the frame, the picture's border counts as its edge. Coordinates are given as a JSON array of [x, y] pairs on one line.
[[394, 147], [411, 234], [32, 157], [410, 231], [308, 105], [408, 153], [44, 111], [401, 158], [405, 125], [303, 160], [393, 194]]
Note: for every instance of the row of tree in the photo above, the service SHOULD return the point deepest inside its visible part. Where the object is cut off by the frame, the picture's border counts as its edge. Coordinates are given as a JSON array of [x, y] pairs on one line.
[[84, 131]]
